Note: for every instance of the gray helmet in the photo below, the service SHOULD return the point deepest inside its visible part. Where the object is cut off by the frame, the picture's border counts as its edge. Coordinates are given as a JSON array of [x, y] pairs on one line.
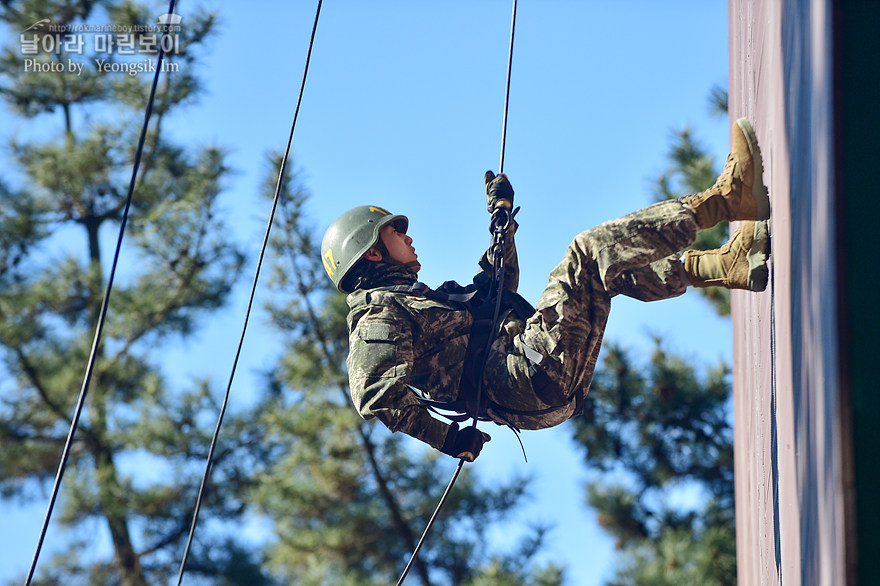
[[350, 236]]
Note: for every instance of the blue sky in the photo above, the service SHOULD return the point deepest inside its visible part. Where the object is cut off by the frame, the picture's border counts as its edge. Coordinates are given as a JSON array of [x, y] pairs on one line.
[[403, 109]]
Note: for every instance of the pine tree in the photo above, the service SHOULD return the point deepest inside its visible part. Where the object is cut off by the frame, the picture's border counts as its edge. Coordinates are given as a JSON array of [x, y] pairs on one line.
[[661, 429], [348, 498], [140, 446]]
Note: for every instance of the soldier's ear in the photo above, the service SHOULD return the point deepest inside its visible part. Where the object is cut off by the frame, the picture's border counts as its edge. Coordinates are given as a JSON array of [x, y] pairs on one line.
[[373, 255]]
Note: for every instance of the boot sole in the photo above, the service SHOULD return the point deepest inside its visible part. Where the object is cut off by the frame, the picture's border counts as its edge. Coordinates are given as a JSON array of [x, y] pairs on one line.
[[759, 190], [757, 257]]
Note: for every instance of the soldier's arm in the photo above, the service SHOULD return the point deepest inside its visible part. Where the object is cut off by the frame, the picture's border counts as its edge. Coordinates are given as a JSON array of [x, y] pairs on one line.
[[499, 198], [379, 362]]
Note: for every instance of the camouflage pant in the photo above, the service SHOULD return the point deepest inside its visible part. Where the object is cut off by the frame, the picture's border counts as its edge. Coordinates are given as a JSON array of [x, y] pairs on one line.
[[637, 256]]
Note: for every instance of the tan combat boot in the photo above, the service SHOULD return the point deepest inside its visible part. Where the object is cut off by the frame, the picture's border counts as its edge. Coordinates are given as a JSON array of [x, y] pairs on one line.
[[739, 192], [740, 264]]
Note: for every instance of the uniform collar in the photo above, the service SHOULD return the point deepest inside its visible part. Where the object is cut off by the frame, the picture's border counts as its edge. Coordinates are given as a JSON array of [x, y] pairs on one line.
[[385, 274]]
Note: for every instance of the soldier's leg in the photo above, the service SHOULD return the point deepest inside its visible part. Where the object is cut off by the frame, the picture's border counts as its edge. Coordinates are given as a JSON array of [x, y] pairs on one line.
[[567, 329], [662, 279], [638, 240], [741, 263], [565, 334]]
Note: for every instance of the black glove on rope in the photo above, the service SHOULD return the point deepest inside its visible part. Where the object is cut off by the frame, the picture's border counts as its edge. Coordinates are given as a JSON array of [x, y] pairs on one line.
[[464, 444], [499, 192]]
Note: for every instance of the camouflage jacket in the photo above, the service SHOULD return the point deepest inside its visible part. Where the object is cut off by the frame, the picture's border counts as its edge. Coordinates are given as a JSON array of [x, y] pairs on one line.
[[399, 340]]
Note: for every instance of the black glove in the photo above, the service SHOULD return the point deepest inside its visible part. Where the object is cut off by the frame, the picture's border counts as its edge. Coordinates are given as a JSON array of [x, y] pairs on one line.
[[499, 192], [464, 444]]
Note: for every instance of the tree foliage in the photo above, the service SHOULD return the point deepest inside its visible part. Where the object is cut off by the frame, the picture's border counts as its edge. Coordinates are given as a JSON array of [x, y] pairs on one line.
[[349, 499], [661, 431], [140, 445]]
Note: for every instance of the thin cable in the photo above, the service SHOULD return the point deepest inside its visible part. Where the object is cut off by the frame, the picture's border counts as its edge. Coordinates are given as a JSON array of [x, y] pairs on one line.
[[461, 462], [275, 200], [507, 92], [431, 522], [500, 221], [498, 281], [497, 284], [102, 316]]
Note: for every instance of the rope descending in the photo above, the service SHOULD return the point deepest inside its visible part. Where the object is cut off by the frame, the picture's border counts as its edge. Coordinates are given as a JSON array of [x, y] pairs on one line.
[[275, 200], [99, 328], [501, 218]]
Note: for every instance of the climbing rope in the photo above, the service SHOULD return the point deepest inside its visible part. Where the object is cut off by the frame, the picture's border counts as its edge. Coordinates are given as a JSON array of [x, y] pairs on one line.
[[276, 198], [500, 221], [102, 316], [507, 90]]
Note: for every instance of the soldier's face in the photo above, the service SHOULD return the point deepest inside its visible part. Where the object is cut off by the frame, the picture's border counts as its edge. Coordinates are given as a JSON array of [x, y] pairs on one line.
[[399, 246]]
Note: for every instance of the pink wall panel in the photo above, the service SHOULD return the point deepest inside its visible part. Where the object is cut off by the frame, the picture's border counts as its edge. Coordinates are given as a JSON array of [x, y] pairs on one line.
[[787, 430]]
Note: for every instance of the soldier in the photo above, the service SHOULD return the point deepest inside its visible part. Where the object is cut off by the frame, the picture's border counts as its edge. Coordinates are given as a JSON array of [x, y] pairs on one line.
[[405, 336]]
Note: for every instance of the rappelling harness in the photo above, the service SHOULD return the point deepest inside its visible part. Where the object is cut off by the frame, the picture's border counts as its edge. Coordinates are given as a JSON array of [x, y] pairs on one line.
[[489, 309]]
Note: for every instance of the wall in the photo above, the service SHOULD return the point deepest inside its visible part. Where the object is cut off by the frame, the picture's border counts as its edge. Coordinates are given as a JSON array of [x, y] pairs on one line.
[[790, 448]]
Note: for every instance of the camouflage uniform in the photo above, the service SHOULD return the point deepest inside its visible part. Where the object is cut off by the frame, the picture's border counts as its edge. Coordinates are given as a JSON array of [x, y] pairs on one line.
[[399, 340]]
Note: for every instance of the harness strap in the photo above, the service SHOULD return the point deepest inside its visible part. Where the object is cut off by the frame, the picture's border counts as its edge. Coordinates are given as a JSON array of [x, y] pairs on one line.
[[483, 331], [422, 290], [547, 390], [458, 408]]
